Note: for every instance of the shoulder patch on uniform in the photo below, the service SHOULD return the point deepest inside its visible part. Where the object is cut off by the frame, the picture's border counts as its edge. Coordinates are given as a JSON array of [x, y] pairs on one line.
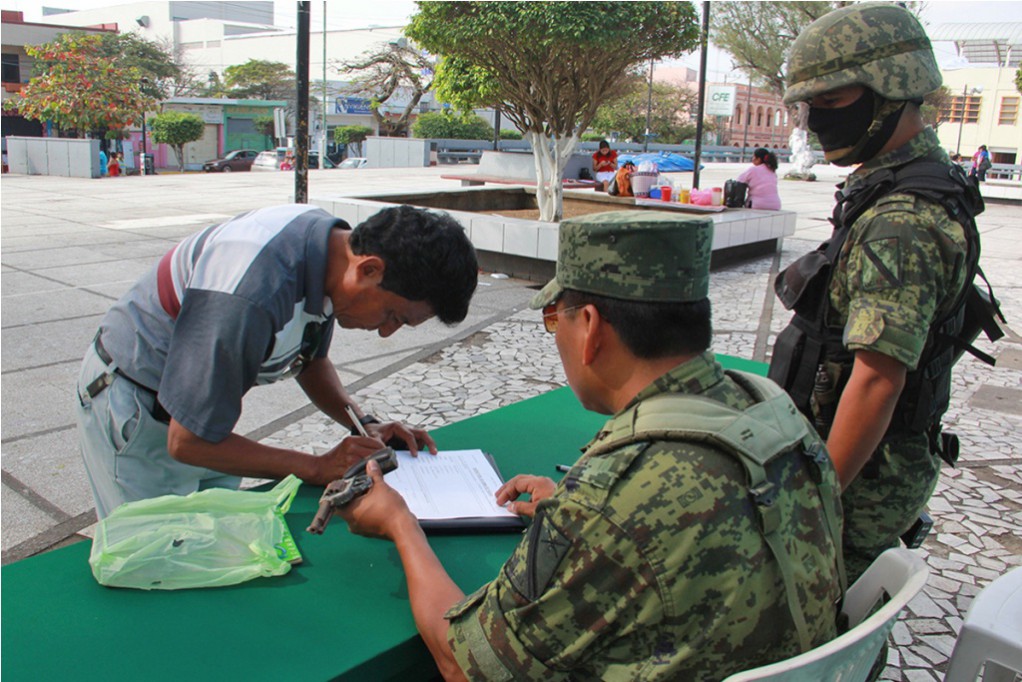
[[545, 546], [882, 267]]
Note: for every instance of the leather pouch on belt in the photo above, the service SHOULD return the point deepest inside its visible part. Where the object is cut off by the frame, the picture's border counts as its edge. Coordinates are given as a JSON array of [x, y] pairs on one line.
[[800, 285]]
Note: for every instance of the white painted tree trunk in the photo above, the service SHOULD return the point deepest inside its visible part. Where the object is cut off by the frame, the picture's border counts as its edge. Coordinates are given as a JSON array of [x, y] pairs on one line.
[[551, 156]]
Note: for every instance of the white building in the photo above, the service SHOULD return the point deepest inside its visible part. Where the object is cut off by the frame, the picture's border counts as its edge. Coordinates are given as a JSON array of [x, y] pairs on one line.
[[210, 36]]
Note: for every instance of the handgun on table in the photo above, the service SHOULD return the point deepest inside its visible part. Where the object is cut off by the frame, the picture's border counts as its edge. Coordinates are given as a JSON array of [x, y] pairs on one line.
[[354, 483]]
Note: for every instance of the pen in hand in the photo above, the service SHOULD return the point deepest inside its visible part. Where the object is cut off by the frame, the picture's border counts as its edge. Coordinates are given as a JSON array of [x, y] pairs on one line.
[[355, 422], [563, 468]]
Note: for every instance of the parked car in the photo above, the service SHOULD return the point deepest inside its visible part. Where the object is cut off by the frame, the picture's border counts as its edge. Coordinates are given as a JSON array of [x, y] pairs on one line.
[[271, 158], [354, 162], [238, 160]]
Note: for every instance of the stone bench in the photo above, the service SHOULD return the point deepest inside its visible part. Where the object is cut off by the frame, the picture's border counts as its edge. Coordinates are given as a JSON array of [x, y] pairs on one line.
[[477, 179], [528, 248]]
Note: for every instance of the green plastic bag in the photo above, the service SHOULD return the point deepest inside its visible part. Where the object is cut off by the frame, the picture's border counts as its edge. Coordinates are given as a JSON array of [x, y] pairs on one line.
[[207, 539]]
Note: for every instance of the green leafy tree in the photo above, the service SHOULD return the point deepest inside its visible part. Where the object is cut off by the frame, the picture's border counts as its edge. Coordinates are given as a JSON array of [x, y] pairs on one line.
[[670, 113], [1018, 79], [264, 125], [935, 103], [442, 124], [177, 129], [260, 79], [758, 35], [354, 135], [506, 134], [395, 69], [80, 90], [548, 65]]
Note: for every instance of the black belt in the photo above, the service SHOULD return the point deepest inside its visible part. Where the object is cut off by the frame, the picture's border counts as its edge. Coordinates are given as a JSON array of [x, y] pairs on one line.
[[159, 413]]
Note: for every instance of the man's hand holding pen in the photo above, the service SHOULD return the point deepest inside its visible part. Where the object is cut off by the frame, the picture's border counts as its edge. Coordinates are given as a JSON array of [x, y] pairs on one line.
[[537, 487]]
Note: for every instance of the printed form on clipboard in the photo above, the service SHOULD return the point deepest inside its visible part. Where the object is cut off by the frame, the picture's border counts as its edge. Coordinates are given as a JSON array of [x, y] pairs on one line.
[[453, 491]]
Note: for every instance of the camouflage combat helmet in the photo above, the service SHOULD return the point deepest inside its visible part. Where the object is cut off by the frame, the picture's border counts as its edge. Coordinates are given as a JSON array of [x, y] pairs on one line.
[[878, 45]]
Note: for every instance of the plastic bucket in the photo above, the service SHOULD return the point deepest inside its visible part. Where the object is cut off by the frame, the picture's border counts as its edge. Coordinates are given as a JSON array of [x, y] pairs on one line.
[[642, 182], [665, 192]]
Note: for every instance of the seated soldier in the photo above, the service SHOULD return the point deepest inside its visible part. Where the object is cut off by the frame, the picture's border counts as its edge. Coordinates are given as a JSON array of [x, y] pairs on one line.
[[663, 553]]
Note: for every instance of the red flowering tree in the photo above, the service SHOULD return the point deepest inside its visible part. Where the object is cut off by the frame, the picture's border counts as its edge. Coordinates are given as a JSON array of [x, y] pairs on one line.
[[80, 89]]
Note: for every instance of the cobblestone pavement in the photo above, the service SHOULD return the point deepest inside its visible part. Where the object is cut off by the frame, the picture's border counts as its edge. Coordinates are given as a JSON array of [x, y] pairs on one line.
[[67, 253]]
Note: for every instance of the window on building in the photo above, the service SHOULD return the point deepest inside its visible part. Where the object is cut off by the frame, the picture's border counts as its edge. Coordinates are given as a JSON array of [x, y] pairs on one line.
[[10, 71], [777, 118], [1009, 111], [960, 107], [738, 114], [759, 117], [770, 117]]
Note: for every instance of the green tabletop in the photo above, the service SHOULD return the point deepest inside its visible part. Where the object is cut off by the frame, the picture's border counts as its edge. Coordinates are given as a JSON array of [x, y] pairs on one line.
[[342, 614]]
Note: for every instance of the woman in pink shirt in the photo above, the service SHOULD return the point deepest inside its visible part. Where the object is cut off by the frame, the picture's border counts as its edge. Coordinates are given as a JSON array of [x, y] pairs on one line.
[[762, 181]]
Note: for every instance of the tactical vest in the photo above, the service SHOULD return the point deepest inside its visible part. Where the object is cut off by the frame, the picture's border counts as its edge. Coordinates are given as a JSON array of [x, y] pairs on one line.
[[809, 358], [757, 437]]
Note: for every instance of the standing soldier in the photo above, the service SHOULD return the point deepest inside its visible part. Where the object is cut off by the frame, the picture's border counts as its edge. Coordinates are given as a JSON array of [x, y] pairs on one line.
[[868, 355]]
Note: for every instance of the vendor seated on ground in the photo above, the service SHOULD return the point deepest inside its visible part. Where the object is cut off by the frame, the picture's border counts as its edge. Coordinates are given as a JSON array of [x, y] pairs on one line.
[[761, 178], [622, 184], [604, 164]]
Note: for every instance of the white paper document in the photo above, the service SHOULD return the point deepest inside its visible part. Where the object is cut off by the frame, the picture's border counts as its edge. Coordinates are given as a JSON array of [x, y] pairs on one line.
[[453, 484]]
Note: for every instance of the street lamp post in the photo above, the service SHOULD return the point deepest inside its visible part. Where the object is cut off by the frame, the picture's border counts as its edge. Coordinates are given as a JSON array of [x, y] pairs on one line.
[[965, 106]]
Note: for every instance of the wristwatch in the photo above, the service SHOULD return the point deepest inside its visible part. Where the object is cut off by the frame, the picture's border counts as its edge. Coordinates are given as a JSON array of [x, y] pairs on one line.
[[364, 420]]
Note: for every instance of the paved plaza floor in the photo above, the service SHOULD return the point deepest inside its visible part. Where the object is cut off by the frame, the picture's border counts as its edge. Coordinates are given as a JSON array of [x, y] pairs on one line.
[[70, 247]]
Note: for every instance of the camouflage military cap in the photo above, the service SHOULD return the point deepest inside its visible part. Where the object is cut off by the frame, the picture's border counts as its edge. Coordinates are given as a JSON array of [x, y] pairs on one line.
[[633, 255], [880, 46]]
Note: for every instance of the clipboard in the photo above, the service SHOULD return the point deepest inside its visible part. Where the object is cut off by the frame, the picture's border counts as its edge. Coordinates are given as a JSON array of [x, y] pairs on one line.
[[452, 492]]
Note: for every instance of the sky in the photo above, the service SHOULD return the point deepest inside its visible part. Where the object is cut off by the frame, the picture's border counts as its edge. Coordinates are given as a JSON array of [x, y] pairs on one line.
[[347, 15]]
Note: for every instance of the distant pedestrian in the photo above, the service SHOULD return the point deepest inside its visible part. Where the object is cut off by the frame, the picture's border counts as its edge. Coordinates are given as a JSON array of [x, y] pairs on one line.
[[115, 165], [102, 163], [980, 164]]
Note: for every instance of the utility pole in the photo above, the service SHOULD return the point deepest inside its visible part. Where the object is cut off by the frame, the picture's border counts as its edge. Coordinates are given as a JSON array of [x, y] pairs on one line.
[[702, 92], [302, 124], [323, 130]]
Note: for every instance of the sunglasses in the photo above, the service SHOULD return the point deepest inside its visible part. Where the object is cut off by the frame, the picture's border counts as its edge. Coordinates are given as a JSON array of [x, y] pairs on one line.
[[550, 316]]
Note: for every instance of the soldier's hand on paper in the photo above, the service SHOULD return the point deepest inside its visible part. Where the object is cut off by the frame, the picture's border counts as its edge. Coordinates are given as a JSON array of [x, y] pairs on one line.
[[379, 512], [402, 437], [341, 457], [537, 487]]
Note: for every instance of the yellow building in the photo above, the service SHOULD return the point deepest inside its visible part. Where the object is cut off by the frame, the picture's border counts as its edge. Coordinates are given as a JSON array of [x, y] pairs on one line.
[[984, 104]]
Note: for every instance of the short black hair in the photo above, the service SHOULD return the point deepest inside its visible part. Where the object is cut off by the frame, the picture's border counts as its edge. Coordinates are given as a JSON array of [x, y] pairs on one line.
[[427, 256], [649, 329], [604, 143]]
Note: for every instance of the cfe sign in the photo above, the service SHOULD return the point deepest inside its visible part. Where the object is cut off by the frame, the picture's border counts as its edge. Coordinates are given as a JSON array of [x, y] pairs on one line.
[[720, 100]]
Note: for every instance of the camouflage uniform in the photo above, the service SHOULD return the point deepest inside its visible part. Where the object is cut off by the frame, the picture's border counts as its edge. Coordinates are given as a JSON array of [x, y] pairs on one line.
[[648, 562], [900, 270], [903, 263]]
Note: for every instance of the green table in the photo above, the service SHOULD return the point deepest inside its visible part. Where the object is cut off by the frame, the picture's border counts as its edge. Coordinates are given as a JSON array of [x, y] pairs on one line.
[[342, 614]]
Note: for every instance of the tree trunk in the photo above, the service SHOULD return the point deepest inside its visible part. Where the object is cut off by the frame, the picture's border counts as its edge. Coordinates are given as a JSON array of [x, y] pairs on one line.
[[551, 156], [179, 151]]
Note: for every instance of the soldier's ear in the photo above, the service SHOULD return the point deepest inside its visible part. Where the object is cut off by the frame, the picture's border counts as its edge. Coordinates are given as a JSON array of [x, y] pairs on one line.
[[595, 329]]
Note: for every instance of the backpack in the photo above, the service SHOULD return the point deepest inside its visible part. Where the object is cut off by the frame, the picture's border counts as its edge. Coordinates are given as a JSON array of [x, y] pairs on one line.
[[735, 194]]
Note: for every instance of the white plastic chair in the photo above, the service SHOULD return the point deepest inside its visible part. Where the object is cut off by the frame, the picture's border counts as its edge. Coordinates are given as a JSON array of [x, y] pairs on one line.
[[897, 573], [991, 634]]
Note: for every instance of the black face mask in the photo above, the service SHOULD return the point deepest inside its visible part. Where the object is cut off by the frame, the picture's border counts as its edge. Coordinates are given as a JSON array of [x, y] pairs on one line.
[[844, 127], [848, 128]]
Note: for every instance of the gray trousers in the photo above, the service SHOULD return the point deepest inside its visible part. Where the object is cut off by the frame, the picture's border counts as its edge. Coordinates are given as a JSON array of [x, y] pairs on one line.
[[125, 448]]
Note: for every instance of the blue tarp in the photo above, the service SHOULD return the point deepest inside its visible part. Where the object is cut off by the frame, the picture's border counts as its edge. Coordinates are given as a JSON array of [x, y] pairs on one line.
[[666, 162]]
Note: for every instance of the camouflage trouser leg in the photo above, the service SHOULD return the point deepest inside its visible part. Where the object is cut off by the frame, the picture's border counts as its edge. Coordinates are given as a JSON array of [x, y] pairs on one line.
[[886, 499]]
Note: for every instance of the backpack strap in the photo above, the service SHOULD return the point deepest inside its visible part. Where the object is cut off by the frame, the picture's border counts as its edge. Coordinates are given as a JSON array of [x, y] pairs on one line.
[[756, 436]]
